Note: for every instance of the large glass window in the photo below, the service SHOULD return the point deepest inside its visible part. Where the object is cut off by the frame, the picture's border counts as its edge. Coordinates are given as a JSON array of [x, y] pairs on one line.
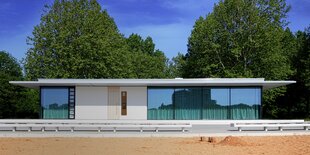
[[188, 103], [160, 105], [210, 103], [215, 103], [245, 103], [54, 102]]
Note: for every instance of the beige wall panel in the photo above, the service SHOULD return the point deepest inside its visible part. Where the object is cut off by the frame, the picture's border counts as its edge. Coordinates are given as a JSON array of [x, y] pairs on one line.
[[114, 103]]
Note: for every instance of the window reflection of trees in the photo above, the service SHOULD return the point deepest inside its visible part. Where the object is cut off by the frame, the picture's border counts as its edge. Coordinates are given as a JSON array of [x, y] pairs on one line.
[[208, 103]]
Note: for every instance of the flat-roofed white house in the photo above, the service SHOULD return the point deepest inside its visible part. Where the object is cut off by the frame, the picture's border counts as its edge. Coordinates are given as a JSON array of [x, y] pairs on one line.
[[152, 99]]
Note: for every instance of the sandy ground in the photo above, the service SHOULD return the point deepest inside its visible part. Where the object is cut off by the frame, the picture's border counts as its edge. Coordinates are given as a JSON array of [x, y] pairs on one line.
[[284, 145]]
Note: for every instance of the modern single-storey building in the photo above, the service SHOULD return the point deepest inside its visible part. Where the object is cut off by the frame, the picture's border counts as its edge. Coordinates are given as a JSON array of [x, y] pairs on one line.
[[152, 99]]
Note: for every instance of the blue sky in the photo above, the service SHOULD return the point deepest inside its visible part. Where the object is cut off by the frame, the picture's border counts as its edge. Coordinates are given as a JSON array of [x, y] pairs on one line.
[[168, 22]]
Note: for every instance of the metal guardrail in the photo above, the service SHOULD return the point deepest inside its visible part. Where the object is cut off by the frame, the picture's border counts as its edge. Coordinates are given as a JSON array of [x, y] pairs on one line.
[[97, 125], [272, 124]]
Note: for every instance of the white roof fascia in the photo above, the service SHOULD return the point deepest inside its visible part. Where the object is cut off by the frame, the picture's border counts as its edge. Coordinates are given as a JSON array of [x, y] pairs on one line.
[[155, 82]]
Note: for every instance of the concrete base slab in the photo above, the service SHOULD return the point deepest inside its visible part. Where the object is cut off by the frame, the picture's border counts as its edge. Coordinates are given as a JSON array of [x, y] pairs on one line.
[[210, 130]]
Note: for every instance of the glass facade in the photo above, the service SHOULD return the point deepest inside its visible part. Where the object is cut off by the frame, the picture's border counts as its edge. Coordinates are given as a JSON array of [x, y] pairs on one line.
[[160, 106], [244, 103], [187, 103], [209, 103], [215, 103], [55, 102]]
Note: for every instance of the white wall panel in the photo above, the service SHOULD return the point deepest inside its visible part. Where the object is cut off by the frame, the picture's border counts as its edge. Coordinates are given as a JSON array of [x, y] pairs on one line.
[[136, 103], [91, 102]]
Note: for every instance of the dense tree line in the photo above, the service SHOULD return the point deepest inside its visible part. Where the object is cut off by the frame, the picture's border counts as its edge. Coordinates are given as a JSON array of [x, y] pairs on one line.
[[240, 38], [295, 103], [15, 101], [249, 39]]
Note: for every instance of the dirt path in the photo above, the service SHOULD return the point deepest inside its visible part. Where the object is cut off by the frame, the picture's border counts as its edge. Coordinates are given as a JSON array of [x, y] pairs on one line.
[[282, 145]]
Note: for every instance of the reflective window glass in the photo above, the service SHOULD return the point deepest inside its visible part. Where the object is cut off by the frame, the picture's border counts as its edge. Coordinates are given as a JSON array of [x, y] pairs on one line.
[[188, 103], [208, 103], [215, 103], [160, 105], [245, 103], [54, 102]]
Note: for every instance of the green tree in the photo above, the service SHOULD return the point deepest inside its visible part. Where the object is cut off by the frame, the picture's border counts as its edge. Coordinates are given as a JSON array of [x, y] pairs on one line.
[[76, 39], [296, 101], [175, 66], [15, 101], [297, 98], [147, 62], [302, 64], [241, 38], [303, 59], [282, 107]]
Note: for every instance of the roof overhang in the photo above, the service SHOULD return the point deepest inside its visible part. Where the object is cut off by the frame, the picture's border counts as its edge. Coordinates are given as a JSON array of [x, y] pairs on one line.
[[154, 82]]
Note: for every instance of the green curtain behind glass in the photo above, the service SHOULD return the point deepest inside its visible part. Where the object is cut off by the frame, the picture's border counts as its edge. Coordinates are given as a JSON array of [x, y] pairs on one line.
[[215, 113], [250, 112], [188, 103], [55, 113], [160, 114], [208, 103], [215, 104]]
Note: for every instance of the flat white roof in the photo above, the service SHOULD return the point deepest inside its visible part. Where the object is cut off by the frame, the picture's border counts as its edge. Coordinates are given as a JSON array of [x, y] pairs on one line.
[[155, 82]]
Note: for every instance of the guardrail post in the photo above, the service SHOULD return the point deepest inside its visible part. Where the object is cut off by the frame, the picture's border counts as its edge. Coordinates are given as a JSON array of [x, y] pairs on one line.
[[281, 128], [306, 128], [265, 129], [239, 129]]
